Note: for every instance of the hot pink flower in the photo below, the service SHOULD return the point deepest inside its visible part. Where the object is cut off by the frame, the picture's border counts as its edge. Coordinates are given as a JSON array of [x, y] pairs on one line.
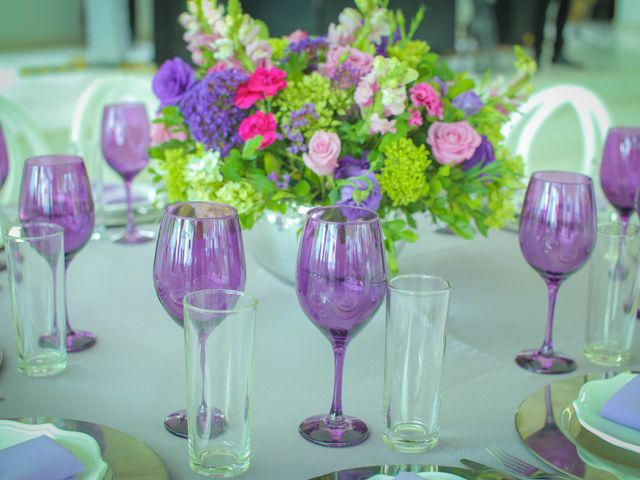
[[381, 125], [424, 95], [453, 143], [416, 118], [259, 123], [323, 152], [263, 83], [161, 134]]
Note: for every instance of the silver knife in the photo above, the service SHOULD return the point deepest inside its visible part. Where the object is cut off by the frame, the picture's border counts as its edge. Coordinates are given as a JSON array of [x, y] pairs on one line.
[[499, 475]]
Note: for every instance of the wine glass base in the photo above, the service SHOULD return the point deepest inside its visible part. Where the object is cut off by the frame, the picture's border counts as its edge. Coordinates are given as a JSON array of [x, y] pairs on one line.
[[80, 340], [177, 423], [346, 432], [133, 238], [534, 361]]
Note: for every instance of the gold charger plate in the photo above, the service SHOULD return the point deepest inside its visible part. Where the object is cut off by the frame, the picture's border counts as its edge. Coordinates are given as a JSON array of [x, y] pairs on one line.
[[549, 428], [128, 457]]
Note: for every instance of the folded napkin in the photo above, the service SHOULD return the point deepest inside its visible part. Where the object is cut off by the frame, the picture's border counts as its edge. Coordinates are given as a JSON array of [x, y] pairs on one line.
[[624, 406], [38, 459]]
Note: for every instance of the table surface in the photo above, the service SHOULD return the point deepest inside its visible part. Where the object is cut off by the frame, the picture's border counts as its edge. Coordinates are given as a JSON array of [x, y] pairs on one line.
[[135, 373]]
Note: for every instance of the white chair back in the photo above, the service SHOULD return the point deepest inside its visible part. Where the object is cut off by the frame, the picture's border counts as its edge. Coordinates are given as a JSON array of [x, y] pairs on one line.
[[593, 118], [23, 140]]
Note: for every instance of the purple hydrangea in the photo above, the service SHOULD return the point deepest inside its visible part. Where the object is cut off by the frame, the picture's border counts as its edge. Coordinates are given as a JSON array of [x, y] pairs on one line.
[[172, 80], [469, 102], [372, 202], [210, 113], [482, 156], [352, 167]]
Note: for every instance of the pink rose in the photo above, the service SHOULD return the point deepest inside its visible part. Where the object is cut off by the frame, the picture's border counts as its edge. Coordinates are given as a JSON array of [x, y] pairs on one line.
[[416, 118], [360, 61], [259, 123], [453, 143], [263, 83], [381, 125], [323, 152], [297, 35], [161, 134], [424, 95]]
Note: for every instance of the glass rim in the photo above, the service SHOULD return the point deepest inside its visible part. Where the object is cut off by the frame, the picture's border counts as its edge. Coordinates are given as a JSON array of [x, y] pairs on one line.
[[623, 128], [54, 159], [603, 225], [577, 178], [239, 293], [232, 214], [418, 293], [125, 103], [57, 230], [360, 221]]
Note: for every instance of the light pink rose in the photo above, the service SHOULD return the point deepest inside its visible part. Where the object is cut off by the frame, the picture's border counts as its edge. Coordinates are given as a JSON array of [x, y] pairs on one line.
[[424, 95], [161, 134], [360, 61], [323, 153], [453, 143], [297, 35], [381, 125]]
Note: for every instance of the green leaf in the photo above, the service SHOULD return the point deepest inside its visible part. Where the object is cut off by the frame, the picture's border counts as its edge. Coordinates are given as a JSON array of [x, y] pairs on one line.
[[302, 188], [261, 183], [271, 163], [231, 169], [250, 147], [409, 236]]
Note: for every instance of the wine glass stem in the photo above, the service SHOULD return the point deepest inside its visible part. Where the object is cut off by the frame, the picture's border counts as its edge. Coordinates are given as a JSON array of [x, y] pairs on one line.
[[339, 349], [131, 227], [547, 346], [70, 330]]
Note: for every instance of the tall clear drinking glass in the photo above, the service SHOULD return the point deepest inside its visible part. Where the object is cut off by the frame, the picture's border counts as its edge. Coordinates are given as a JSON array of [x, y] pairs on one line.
[[56, 189], [417, 309], [613, 295], [36, 282], [125, 141], [199, 247], [341, 282], [620, 169], [219, 327], [557, 235]]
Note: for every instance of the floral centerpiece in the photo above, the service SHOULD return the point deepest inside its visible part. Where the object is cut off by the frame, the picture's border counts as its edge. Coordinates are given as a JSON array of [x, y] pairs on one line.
[[366, 115]]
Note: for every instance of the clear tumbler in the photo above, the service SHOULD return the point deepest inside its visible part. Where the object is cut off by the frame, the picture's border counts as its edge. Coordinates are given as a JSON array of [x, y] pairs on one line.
[[35, 255], [417, 309], [613, 295], [219, 328]]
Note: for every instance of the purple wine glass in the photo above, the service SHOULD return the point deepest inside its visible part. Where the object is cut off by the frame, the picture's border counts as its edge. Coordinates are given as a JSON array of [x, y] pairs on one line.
[[199, 247], [125, 142], [620, 169], [4, 158], [557, 235], [341, 282], [56, 189]]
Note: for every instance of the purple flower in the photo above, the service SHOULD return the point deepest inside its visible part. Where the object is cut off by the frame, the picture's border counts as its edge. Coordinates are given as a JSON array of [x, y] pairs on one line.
[[310, 45], [469, 101], [372, 202], [444, 86], [210, 113], [352, 167], [280, 185], [482, 156], [172, 80]]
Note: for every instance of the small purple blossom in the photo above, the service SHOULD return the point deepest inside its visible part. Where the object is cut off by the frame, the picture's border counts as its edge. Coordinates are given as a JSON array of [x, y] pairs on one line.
[[210, 113], [366, 181], [171, 81], [280, 184], [298, 119], [309, 45], [482, 156], [352, 167], [444, 86], [469, 102], [345, 76]]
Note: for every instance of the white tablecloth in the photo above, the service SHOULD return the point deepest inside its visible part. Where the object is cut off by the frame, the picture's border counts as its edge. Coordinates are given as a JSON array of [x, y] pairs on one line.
[[135, 373]]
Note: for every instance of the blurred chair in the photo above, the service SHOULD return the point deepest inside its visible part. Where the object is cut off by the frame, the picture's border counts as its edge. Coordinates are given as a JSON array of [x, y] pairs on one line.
[[24, 140], [87, 113], [593, 119]]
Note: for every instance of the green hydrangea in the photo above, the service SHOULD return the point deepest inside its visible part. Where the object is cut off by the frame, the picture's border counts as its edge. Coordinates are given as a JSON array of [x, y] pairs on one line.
[[278, 46], [330, 103], [175, 160], [202, 172], [411, 52], [403, 177], [244, 197]]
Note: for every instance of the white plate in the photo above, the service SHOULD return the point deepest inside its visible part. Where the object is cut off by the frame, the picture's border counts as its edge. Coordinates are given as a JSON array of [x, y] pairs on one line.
[[593, 395], [82, 446], [427, 475]]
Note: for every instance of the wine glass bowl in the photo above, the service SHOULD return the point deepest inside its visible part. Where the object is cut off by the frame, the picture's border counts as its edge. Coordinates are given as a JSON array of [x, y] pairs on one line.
[[56, 189], [620, 169], [199, 247], [340, 284], [4, 158], [557, 234], [125, 141]]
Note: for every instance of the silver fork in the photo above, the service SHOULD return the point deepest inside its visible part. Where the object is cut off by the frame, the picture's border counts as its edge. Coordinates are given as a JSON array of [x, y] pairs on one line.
[[522, 468]]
